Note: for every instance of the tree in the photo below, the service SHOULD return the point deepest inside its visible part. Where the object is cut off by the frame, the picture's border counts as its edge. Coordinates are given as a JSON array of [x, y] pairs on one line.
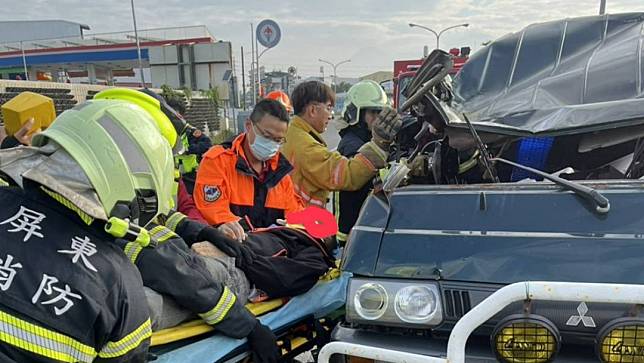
[[172, 96], [342, 87]]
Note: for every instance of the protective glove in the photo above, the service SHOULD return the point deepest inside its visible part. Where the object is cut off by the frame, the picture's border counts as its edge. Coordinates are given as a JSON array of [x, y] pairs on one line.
[[263, 344], [242, 254], [385, 128]]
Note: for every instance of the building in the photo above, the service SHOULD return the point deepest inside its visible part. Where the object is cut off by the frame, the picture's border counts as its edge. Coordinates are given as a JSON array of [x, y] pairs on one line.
[[379, 77], [180, 56], [25, 30]]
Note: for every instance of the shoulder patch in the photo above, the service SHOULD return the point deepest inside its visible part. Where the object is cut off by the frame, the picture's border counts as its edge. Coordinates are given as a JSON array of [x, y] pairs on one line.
[[211, 193]]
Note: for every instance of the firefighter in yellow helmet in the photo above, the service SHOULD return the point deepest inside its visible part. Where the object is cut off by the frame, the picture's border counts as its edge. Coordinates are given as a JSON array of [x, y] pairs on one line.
[[173, 270], [364, 101]]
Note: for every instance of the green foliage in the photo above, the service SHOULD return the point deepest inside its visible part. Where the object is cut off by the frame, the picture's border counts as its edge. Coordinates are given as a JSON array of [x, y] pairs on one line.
[[172, 96], [187, 92], [342, 87]]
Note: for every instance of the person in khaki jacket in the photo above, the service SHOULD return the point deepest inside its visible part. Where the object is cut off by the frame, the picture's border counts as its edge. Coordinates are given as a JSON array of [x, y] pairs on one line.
[[317, 170]]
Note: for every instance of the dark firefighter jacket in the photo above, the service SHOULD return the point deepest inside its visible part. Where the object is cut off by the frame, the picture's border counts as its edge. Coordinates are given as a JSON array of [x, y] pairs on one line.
[[228, 189], [67, 292], [351, 140], [172, 269]]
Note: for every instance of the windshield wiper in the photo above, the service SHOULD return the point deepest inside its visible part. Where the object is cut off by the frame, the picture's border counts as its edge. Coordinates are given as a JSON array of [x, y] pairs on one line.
[[602, 204]]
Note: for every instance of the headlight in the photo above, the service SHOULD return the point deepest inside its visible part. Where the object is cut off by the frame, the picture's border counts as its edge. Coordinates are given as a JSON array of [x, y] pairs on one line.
[[622, 340], [371, 301], [415, 304], [525, 339], [394, 302]]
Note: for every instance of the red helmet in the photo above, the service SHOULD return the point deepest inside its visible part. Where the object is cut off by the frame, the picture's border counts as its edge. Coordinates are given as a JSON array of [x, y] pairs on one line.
[[281, 97]]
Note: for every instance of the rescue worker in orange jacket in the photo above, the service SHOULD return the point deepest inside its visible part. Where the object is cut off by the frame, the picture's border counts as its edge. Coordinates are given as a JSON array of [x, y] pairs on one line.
[[248, 185]]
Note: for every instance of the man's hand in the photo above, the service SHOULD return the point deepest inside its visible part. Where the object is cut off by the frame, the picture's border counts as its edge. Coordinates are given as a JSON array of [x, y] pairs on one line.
[[233, 230], [24, 135], [243, 255], [263, 344], [386, 127]]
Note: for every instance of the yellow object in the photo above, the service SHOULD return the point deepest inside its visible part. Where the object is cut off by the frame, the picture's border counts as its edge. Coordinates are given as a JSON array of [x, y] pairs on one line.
[[525, 342], [624, 343], [18, 110], [198, 327], [146, 102]]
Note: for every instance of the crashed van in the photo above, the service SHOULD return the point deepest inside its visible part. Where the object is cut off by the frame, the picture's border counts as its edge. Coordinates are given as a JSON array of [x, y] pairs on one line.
[[510, 226]]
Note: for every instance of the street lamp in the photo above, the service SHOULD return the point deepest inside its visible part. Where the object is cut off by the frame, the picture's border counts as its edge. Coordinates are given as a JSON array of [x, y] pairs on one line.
[[438, 35], [335, 67]]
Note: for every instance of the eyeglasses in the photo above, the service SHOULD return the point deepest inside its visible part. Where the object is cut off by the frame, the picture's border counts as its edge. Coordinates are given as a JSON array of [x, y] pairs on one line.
[[258, 130]]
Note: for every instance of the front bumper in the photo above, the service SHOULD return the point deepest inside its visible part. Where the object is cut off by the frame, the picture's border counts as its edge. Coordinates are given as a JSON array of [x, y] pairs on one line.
[[478, 349], [458, 349]]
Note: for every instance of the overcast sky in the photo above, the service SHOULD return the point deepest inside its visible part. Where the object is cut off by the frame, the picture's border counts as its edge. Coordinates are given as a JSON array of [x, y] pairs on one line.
[[372, 33]]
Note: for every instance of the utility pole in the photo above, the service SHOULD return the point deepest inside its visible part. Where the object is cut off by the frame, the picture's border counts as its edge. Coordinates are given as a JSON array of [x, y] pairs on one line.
[[602, 7], [243, 79], [252, 63], [335, 67], [138, 45], [24, 61]]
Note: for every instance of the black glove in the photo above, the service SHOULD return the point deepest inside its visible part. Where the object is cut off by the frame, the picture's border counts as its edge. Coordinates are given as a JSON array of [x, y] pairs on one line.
[[386, 127], [243, 255], [263, 344]]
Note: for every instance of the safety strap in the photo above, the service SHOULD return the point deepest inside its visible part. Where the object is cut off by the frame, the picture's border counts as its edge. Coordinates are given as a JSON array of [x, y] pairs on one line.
[[174, 220], [219, 312], [162, 234], [132, 250]]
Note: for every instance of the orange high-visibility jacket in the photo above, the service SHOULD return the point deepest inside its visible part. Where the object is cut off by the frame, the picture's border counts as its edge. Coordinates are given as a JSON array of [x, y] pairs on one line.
[[228, 189]]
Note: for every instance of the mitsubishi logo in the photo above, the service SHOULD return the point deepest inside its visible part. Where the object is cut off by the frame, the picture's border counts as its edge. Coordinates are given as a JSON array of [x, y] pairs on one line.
[[582, 310]]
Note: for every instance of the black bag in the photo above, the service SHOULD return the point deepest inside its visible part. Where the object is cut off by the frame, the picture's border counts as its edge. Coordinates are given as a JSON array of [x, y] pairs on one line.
[[288, 261]]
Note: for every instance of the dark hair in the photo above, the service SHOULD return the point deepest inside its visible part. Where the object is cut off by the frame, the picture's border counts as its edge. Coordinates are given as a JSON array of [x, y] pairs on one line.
[[270, 107], [311, 91]]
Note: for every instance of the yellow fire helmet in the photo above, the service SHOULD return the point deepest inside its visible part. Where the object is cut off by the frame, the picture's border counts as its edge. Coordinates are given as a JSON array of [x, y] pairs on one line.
[[148, 103]]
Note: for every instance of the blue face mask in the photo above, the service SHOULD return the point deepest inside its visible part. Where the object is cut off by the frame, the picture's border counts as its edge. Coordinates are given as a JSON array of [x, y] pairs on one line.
[[263, 148]]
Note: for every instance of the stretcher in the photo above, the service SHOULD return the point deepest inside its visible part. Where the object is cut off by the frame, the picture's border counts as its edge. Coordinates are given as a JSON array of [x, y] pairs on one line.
[[296, 322]]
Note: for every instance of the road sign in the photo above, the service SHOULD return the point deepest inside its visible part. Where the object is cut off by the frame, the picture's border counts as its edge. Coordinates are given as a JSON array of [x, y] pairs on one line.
[[268, 33]]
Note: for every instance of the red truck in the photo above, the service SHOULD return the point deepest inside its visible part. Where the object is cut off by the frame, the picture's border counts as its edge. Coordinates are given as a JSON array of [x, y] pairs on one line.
[[405, 70]]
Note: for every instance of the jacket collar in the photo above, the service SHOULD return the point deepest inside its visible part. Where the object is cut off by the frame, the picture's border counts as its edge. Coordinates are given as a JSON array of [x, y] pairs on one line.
[[300, 123]]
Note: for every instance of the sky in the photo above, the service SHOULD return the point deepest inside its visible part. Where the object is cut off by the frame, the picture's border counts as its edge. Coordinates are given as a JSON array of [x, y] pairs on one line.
[[371, 33]]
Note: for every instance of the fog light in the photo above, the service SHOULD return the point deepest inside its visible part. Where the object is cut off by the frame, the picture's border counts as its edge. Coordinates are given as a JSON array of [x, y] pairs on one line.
[[622, 340], [525, 339], [371, 301]]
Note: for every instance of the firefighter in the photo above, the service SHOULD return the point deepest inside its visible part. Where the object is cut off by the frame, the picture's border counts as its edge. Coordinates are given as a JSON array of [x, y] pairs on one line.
[[364, 101], [175, 132], [248, 185], [171, 269], [282, 98], [317, 170], [69, 294]]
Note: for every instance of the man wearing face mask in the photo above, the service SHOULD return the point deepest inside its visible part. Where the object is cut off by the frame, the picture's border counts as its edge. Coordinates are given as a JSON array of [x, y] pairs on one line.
[[248, 185]]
